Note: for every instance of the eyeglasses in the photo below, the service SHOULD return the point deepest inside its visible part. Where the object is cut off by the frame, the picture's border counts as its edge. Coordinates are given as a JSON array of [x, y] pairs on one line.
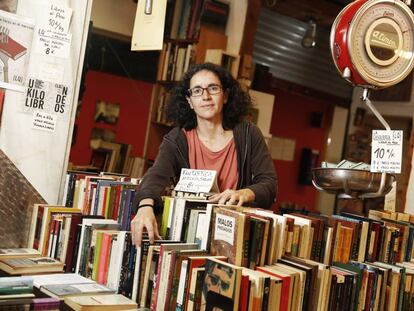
[[212, 89], [214, 279]]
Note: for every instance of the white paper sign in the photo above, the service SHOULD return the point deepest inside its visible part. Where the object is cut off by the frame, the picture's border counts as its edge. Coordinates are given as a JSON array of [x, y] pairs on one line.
[[58, 18], [44, 121], [52, 43], [386, 151], [52, 72], [224, 228], [196, 181], [47, 97]]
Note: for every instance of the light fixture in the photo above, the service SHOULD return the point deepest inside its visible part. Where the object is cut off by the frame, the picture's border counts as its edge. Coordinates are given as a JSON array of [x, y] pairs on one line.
[[309, 40]]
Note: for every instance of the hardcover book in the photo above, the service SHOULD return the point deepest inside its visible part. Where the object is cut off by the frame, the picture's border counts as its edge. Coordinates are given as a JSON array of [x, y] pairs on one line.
[[100, 302], [33, 265], [65, 290]]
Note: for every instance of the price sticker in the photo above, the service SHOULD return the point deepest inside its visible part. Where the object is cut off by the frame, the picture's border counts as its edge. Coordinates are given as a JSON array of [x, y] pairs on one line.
[[386, 151]]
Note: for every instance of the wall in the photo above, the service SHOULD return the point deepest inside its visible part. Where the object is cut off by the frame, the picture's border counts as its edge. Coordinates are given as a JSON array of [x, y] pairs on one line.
[[235, 25], [134, 98], [114, 16], [291, 119]]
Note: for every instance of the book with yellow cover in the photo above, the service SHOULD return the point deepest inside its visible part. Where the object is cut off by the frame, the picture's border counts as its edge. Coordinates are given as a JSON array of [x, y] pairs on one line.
[[100, 302], [34, 265]]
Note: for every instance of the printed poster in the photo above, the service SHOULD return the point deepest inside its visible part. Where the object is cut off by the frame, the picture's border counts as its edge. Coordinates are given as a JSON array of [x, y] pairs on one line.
[[16, 34], [47, 98]]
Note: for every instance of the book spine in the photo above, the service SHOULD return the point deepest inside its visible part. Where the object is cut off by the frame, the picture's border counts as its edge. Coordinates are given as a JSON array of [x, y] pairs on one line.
[[104, 256]]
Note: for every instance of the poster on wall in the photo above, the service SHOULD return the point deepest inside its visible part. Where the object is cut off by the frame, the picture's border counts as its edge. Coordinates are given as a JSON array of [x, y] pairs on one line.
[[16, 34], [47, 98]]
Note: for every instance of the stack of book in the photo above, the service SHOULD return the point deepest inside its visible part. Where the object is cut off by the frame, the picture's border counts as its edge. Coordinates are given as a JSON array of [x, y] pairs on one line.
[[26, 261], [16, 293]]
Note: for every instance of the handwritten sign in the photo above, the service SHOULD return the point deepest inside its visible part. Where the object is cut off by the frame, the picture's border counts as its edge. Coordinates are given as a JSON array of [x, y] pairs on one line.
[[386, 151], [196, 181], [44, 121], [58, 18], [51, 43]]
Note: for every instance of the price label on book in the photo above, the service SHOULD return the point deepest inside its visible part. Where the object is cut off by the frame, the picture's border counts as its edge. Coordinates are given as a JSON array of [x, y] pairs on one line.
[[196, 181], [386, 151]]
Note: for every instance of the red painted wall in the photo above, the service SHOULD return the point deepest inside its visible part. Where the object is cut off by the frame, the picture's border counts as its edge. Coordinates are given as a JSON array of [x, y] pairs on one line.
[[134, 98], [292, 119]]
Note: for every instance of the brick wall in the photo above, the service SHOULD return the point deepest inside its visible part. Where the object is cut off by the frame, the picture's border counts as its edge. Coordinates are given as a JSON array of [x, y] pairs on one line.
[[17, 197]]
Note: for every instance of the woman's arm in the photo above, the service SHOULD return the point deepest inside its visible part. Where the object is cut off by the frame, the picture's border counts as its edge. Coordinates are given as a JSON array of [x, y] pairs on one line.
[[264, 179]]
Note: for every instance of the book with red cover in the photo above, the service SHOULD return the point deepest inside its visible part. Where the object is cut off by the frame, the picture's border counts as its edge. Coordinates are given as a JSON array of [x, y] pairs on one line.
[[12, 48], [244, 293], [104, 260], [284, 302]]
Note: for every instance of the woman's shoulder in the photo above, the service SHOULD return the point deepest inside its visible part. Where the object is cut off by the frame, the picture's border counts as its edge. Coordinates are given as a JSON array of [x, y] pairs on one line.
[[246, 126], [175, 134]]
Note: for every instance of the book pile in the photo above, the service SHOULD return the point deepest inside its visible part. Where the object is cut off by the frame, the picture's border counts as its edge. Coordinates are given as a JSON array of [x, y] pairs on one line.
[[16, 293], [19, 261], [61, 286]]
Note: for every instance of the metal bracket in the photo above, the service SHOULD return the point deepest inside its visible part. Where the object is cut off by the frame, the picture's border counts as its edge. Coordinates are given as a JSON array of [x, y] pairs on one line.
[[368, 102]]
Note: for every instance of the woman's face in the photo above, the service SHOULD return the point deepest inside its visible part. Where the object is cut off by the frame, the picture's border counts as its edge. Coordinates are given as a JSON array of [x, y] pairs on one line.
[[206, 96]]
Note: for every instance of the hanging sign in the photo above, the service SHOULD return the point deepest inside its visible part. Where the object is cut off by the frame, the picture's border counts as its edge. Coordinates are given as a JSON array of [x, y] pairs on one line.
[[149, 23], [386, 151]]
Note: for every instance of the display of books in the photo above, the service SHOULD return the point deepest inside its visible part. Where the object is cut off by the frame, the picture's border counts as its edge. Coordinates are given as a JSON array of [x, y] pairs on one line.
[[292, 261]]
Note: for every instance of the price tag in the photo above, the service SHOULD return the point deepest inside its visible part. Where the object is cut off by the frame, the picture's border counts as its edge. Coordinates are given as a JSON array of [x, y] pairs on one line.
[[386, 151], [196, 181]]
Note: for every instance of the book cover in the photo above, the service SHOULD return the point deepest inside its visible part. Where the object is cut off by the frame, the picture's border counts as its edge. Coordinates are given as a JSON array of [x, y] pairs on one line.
[[227, 234], [66, 290], [100, 302], [221, 288]]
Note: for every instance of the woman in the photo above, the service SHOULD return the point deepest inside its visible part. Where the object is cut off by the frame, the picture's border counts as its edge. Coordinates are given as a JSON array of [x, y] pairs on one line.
[[208, 106]]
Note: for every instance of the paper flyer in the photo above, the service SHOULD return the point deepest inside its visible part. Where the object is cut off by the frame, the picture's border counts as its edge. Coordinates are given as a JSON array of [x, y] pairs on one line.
[[47, 97], [16, 34]]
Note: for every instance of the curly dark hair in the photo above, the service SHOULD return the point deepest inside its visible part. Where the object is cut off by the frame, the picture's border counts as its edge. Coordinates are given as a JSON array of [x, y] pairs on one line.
[[179, 112]]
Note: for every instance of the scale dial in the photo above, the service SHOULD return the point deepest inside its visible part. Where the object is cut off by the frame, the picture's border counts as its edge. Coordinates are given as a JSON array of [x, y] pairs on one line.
[[378, 36]]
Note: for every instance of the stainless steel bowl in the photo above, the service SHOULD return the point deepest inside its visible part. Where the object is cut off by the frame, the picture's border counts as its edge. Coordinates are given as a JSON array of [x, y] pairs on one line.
[[352, 183]]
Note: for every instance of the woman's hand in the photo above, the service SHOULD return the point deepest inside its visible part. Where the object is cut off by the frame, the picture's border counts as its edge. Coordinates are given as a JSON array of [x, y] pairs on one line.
[[232, 197], [144, 218]]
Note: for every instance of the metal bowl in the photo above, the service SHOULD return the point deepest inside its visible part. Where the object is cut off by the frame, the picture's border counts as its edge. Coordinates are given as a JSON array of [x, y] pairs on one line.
[[352, 183]]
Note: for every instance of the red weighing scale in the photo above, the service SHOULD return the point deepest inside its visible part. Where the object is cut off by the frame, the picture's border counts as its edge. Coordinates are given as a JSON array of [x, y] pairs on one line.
[[372, 46]]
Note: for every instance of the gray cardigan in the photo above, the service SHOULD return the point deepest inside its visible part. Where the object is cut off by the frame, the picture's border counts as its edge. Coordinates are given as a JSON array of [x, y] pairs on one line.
[[254, 163]]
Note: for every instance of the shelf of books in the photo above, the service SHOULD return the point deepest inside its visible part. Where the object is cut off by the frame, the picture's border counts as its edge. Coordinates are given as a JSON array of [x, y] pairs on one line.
[[81, 256]]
